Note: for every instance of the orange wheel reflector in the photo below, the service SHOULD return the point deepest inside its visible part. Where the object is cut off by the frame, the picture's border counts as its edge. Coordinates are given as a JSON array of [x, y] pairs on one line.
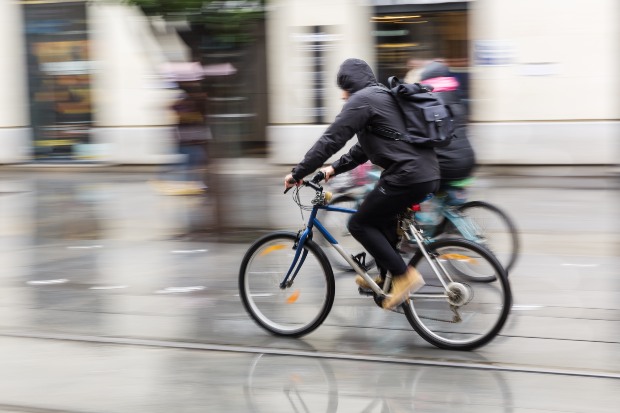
[[458, 257], [272, 249], [293, 297]]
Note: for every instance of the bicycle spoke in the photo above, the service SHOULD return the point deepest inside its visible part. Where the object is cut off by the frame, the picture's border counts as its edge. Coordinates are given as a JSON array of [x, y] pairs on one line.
[[467, 313], [306, 299]]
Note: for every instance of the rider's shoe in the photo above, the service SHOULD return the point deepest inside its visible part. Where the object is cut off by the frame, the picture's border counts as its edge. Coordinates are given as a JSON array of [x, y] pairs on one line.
[[403, 285], [359, 280]]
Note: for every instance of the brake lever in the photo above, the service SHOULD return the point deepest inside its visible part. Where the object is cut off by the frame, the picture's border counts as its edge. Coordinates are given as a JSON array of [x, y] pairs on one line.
[[318, 177]]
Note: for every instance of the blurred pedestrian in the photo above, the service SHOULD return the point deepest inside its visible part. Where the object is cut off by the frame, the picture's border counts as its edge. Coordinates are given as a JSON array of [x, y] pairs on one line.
[[191, 134], [414, 68]]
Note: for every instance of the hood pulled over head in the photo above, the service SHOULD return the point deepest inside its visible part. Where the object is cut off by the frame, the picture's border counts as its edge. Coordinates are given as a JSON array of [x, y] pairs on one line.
[[354, 75], [435, 69], [438, 75]]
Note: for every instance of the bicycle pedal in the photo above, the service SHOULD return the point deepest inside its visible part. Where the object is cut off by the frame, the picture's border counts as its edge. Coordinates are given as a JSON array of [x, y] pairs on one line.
[[366, 292], [360, 259]]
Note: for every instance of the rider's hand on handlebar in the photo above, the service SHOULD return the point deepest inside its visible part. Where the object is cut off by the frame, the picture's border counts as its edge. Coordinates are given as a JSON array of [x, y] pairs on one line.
[[328, 171], [290, 182]]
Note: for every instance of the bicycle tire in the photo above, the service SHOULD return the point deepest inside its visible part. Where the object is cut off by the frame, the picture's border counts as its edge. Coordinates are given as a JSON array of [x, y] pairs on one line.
[[483, 305], [337, 225], [493, 228], [293, 311]]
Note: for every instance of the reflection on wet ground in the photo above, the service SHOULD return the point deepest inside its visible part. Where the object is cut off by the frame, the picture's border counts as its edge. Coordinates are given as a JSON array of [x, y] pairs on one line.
[[113, 378], [106, 256]]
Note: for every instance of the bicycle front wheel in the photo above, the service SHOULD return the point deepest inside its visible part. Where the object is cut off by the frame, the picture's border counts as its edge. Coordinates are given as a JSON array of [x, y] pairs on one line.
[[464, 313], [298, 308]]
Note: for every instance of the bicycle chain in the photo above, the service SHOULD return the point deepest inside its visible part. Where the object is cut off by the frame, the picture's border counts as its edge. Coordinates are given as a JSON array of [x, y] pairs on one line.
[[457, 317]]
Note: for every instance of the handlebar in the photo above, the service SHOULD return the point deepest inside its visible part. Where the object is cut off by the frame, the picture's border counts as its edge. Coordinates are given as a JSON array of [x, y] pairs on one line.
[[313, 183]]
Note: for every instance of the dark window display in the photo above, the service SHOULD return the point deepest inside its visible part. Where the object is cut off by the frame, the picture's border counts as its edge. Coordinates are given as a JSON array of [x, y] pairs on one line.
[[59, 71], [404, 41]]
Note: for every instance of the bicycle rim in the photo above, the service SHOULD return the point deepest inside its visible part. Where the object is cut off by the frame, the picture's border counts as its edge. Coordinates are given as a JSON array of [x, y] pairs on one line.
[[336, 223], [475, 311], [491, 227], [295, 310]]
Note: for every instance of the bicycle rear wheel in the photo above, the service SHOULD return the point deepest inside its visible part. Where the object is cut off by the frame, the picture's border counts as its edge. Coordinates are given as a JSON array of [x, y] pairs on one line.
[[297, 309], [467, 314], [490, 226], [337, 225]]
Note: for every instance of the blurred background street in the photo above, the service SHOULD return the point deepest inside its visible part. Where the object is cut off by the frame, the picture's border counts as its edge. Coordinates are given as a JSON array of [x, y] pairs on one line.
[[143, 145]]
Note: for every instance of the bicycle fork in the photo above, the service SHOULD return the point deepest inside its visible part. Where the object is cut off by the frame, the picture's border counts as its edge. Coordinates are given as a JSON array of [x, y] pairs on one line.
[[299, 259]]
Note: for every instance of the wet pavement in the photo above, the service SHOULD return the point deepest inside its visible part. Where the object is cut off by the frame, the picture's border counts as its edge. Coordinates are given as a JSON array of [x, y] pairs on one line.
[[116, 298], [80, 377]]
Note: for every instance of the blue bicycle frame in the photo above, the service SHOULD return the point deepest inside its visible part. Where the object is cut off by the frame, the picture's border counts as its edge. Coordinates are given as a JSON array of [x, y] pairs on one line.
[[313, 221]]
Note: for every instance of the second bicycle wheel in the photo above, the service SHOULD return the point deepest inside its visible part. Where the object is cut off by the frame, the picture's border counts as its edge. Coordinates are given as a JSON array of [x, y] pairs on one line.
[[490, 226], [465, 313], [337, 225], [298, 308]]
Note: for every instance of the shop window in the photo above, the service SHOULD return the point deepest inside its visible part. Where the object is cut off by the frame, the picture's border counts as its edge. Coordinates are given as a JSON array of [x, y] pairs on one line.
[[59, 71], [405, 40]]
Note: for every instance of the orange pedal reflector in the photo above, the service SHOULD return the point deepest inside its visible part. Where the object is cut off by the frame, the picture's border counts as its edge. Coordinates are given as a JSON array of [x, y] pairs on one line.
[[293, 297]]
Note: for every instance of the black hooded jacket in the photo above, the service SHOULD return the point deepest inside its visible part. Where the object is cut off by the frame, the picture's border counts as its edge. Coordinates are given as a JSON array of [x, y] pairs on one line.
[[457, 160], [370, 104]]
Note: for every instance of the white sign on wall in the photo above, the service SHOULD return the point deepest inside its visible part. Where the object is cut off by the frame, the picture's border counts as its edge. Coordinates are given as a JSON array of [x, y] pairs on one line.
[[494, 52], [539, 69]]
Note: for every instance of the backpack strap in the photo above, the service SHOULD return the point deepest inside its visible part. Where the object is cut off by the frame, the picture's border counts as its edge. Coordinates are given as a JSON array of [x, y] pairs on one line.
[[393, 81], [387, 133]]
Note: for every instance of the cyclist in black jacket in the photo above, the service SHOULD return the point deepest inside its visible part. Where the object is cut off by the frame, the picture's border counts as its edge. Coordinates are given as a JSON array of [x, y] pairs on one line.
[[409, 172], [457, 160]]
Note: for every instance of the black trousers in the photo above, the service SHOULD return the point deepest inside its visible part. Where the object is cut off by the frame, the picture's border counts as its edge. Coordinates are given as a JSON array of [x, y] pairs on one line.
[[374, 223]]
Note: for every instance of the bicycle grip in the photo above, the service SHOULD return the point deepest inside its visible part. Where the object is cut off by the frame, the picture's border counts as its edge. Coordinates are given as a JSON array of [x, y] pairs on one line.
[[318, 177], [290, 181]]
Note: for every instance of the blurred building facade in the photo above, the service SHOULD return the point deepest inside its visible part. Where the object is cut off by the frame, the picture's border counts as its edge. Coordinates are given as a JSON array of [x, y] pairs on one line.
[[83, 84], [81, 80], [534, 97]]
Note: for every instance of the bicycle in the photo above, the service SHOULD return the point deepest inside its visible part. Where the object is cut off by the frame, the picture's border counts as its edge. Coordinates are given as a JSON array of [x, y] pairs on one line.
[[477, 221], [287, 285]]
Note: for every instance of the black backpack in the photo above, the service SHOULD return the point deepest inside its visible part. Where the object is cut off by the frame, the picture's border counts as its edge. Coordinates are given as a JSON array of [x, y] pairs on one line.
[[428, 120]]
